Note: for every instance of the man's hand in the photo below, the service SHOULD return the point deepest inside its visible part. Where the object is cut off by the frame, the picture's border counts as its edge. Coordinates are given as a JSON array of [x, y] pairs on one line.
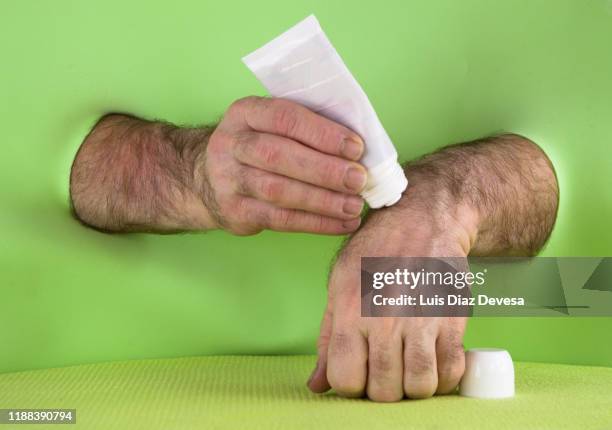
[[269, 164], [387, 358], [496, 196], [274, 164]]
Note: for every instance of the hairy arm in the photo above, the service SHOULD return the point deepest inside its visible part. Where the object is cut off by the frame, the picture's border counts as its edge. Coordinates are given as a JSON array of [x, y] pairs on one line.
[[136, 175], [498, 195]]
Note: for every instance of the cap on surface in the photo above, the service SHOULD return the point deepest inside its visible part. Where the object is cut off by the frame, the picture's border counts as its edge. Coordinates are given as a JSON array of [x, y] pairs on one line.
[[489, 374]]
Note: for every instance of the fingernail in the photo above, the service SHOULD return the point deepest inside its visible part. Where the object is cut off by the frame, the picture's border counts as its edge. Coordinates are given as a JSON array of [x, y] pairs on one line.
[[355, 178], [352, 224], [353, 206], [352, 148]]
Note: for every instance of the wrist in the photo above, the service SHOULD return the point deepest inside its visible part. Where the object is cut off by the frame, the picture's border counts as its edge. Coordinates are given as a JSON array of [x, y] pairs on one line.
[[189, 145], [427, 212]]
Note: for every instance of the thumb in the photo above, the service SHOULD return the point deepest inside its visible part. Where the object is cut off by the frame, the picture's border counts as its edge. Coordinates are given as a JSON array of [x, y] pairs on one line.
[[318, 379]]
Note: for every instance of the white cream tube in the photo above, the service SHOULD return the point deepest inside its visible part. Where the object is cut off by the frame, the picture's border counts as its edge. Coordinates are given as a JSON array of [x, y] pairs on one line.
[[301, 65]]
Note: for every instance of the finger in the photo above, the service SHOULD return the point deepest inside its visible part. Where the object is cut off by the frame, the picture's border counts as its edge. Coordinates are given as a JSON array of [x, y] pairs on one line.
[[291, 194], [318, 382], [289, 158], [385, 367], [347, 361], [285, 118], [420, 371], [270, 217], [451, 358]]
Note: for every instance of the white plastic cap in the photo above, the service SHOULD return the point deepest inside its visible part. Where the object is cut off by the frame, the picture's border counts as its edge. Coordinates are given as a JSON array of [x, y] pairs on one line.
[[386, 183], [489, 374]]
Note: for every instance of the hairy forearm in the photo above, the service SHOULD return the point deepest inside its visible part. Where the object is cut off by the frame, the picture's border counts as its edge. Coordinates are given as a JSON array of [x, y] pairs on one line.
[[136, 175], [497, 196]]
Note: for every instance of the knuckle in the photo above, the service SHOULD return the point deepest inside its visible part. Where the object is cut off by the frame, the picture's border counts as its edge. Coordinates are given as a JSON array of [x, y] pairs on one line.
[[447, 385], [236, 108], [455, 353], [243, 180], [420, 389], [385, 395], [236, 211], [419, 365], [420, 377], [451, 349], [260, 219], [244, 143], [269, 154], [241, 208], [240, 105], [452, 367], [272, 189], [285, 117], [345, 386], [381, 361]]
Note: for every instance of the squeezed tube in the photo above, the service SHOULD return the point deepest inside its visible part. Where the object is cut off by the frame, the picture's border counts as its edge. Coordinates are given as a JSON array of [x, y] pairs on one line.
[[301, 65]]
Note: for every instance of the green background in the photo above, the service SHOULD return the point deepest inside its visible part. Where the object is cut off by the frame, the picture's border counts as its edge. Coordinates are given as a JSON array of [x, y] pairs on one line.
[[437, 72]]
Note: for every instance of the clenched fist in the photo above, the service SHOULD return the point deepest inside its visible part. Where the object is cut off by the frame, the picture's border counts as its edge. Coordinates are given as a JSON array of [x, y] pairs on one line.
[[387, 358]]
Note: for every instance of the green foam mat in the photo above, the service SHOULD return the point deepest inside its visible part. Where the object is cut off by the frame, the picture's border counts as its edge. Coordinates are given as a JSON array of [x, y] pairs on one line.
[[227, 392]]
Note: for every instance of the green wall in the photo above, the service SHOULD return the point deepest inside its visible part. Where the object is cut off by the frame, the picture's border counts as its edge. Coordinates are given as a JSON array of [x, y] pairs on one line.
[[437, 72]]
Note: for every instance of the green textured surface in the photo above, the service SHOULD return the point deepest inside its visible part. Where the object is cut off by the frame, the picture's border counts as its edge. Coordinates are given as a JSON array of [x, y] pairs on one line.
[[437, 72], [269, 393]]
